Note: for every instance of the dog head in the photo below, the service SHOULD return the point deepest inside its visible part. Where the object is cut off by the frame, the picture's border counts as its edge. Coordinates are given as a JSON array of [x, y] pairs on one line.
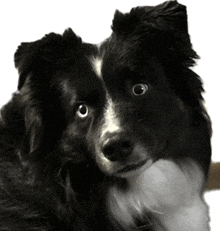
[[124, 104]]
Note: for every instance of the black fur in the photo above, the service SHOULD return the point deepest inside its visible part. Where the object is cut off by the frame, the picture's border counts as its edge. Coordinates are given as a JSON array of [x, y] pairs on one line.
[[49, 178]]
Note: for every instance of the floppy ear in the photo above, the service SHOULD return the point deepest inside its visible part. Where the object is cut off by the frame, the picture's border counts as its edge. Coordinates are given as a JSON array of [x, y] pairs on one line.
[[36, 63], [39, 56], [162, 31]]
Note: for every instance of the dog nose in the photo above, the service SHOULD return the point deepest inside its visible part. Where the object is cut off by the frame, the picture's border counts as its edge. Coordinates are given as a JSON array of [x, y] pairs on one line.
[[117, 149]]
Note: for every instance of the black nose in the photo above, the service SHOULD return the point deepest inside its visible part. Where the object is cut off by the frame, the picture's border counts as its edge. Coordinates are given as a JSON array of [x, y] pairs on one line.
[[116, 148]]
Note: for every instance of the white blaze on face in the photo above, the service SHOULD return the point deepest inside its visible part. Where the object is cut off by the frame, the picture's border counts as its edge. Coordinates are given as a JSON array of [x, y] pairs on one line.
[[110, 125], [111, 120], [97, 65]]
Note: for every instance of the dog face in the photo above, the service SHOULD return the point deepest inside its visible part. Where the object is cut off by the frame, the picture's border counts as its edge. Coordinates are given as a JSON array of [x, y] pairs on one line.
[[127, 103], [119, 107], [132, 101]]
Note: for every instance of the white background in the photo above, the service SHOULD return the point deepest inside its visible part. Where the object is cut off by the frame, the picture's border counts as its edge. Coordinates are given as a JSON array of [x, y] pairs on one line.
[[25, 21]]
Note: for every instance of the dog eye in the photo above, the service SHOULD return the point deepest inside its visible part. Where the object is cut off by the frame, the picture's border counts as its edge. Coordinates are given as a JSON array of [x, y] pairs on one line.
[[139, 89], [83, 111]]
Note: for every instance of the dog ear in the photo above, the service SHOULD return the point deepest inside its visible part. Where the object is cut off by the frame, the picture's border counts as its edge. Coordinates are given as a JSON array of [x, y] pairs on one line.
[[39, 56], [169, 15], [162, 31], [36, 63], [163, 27]]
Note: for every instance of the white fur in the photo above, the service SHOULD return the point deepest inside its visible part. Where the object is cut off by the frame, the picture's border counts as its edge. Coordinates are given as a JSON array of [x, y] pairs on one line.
[[111, 124], [97, 65], [172, 194], [111, 120]]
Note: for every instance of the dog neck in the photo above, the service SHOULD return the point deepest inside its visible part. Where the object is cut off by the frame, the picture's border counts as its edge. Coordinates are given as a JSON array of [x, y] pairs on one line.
[[171, 194]]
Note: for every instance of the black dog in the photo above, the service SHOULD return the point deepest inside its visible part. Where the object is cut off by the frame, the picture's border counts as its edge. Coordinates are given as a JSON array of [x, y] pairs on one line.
[[109, 137]]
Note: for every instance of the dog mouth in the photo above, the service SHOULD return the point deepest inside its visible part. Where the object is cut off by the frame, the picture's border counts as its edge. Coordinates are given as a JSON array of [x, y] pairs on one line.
[[132, 167]]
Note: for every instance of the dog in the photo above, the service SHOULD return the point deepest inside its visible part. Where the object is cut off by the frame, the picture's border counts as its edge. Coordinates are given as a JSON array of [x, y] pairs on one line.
[[107, 137]]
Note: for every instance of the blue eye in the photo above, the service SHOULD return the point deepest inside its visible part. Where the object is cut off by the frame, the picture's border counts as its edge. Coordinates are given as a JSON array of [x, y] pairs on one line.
[[139, 89], [83, 111]]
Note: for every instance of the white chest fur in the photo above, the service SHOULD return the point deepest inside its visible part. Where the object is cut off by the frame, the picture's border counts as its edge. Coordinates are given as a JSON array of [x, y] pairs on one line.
[[170, 193]]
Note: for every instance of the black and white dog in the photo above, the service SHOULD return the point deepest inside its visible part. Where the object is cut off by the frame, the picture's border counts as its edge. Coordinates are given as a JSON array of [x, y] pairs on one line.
[[109, 137]]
